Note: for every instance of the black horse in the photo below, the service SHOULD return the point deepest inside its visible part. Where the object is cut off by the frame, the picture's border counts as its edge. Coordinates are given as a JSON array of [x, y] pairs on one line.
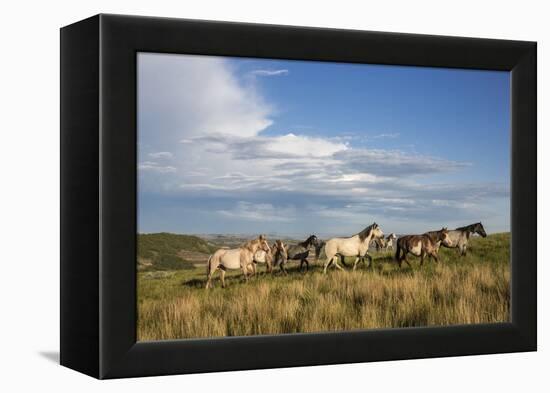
[[300, 251]]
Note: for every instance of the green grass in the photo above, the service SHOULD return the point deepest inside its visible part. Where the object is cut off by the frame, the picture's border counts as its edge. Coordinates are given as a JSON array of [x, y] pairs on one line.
[[459, 290]]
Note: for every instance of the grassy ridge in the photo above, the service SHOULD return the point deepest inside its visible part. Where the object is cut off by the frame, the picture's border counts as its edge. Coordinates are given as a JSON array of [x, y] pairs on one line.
[[161, 251], [473, 289]]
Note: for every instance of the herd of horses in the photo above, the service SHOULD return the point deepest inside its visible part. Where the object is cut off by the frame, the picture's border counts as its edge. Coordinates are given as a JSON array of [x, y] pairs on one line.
[[258, 251]]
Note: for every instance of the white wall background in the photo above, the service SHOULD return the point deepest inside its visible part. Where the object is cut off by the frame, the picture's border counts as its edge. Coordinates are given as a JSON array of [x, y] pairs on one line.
[[29, 202]]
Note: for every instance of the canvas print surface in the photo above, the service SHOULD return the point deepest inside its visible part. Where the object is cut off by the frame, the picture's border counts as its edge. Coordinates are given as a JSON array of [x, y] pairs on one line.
[[279, 197]]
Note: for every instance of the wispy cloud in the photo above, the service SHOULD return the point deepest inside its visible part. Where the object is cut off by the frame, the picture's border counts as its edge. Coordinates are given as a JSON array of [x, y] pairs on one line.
[[269, 72], [390, 135], [270, 147], [260, 212], [156, 167], [396, 163], [161, 154]]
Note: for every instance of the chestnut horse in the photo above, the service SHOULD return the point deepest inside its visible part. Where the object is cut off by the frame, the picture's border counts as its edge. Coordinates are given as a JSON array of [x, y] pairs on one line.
[[421, 245]]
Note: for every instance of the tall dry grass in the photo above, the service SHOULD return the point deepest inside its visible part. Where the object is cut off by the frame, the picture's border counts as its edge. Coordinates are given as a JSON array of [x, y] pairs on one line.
[[475, 289]]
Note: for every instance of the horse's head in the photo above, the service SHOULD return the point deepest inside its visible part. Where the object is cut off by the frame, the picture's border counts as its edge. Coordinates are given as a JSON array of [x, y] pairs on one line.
[[443, 237], [279, 252], [392, 236], [480, 230], [263, 244], [257, 244], [313, 240], [377, 231]]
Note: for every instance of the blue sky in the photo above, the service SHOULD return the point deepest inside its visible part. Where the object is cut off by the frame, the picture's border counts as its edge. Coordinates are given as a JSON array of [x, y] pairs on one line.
[[230, 145]]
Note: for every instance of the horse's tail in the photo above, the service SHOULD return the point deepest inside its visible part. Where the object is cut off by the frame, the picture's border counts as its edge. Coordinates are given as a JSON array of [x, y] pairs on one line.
[[319, 249], [213, 263], [209, 266], [397, 251]]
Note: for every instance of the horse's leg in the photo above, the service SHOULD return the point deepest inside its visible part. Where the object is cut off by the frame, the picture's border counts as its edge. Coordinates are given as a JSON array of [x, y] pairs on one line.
[[222, 277], [306, 263], [343, 260], [371, 260], [357, 258], [422, 254], [327, 264], [406, 260], [209, 281], [209, 277], [283, 268], [337, 265]]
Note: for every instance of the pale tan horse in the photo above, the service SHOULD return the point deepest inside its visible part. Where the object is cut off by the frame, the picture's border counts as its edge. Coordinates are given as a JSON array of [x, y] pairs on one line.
[[236, 258], [264, 258], [272, 258], [356, 246]]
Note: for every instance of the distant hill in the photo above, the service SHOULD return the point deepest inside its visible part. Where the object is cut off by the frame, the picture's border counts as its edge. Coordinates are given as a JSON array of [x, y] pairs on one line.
[[168, 251]]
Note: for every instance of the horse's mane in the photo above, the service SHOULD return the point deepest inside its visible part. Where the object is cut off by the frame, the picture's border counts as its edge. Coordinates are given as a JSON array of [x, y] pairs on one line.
[[307, 242], [435, 235], [365, 232], [249, 245], [469, 228], [280, 248]]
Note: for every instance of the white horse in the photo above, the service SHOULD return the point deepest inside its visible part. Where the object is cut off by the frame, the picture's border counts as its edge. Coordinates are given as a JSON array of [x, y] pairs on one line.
[[236, 258], [390, 240], [356, 246]]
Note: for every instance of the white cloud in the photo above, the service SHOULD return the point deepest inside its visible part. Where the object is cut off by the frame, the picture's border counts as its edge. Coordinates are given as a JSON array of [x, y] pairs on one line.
[[181, 96], [269, 72], [273, 147]]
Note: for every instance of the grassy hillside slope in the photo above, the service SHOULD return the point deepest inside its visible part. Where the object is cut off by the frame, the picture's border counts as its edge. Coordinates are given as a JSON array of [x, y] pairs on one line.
[[168, 251]]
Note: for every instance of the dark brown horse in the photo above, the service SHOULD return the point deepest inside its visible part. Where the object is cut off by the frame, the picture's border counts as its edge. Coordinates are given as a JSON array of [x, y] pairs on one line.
[[421, 245]]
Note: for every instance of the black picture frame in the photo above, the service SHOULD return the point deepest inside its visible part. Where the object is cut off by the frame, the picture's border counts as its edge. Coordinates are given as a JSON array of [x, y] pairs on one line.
[[98, 196]]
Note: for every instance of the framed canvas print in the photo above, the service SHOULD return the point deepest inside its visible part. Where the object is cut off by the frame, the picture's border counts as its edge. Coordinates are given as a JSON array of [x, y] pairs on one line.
[[240, 196]]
